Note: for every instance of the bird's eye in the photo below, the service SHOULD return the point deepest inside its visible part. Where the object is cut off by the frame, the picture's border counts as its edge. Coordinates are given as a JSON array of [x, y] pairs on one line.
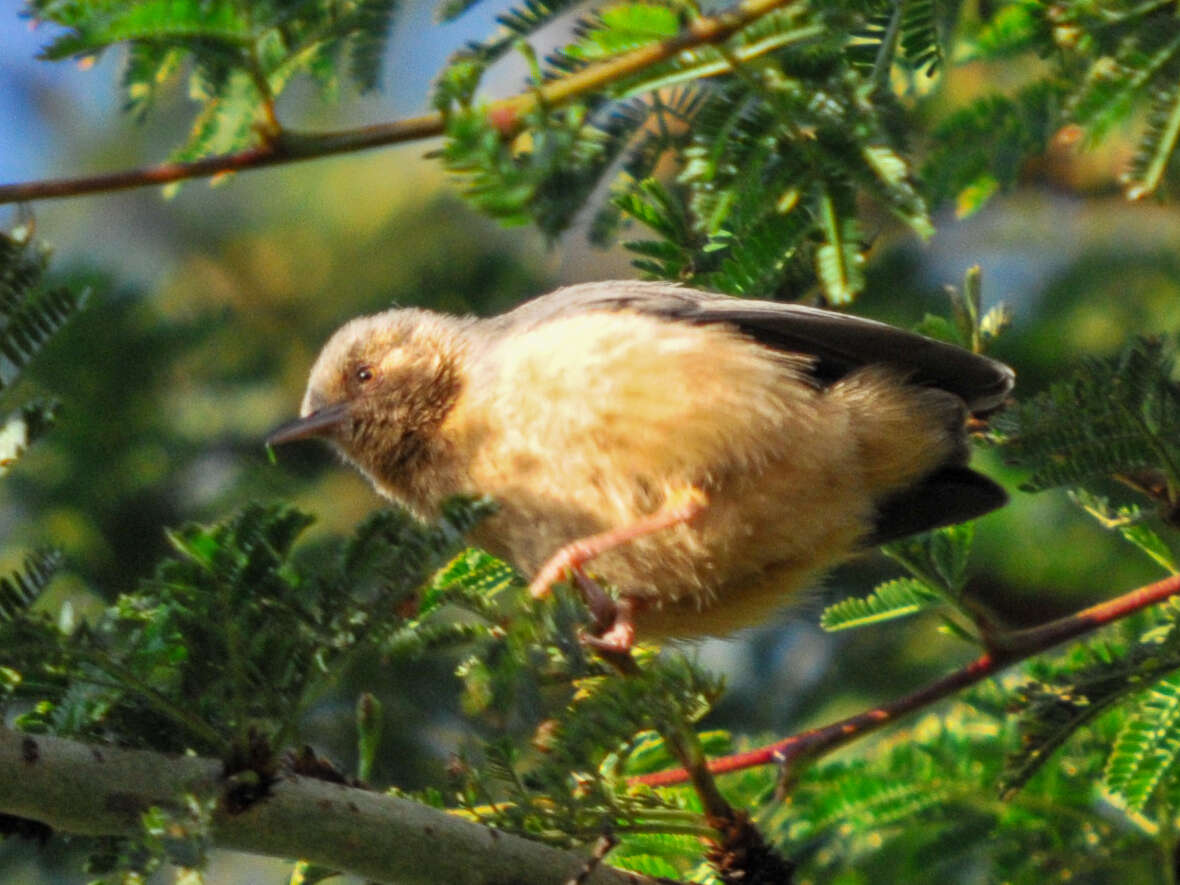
[[363, 374]]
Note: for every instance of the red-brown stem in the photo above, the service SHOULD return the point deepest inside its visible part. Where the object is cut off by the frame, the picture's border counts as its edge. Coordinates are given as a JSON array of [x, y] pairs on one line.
[[1005, 650], [283, 147]]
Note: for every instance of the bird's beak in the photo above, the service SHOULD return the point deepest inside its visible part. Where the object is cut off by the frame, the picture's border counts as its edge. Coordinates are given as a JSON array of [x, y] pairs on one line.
[[321, 422]]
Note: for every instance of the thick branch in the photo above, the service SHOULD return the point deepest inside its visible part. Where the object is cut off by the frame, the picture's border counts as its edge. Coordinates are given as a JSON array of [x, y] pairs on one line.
[[287, 147], [94, 790], [1006, 649]]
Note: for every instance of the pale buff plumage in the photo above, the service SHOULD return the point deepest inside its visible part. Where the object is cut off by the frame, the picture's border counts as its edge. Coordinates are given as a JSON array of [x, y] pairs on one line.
[[585, 421]]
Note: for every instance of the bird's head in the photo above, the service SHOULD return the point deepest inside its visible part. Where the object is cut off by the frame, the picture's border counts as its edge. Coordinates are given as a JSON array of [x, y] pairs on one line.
[[380, 388]]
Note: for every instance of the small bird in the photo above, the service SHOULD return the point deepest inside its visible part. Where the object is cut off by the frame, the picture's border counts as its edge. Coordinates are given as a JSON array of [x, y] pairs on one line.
[[704, 455]]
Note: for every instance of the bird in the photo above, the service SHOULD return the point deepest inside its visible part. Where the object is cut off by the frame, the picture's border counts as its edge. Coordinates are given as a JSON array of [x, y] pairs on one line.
[[706, 456]]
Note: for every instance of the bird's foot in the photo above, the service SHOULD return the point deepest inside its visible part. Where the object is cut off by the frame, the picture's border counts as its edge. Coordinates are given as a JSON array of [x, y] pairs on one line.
[[613, 633], [680, 506], [620, 638]]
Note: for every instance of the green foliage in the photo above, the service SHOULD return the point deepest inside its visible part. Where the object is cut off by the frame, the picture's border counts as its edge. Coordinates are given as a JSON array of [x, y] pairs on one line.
[[779, 116], [546, 182], [1157, 143], [1123, 682], [1130, 522], [794, 121], [897, 598], [919, 807], [1116, 417], [240, 54], [572, 787], [1146, 747], [20, 589], [982, 148], [233, 638], [1068, 694], [226, 648], [30, 314], [937, 563], [1128, 55], [798, 120]]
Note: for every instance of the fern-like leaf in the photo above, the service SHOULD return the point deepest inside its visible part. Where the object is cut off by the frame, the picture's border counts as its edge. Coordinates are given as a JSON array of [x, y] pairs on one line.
[[519, 22], [93, 27], [1117, 416], [1074, 692], [622, 28], [369, 24], [29, 313], [474, 578], [229, 116], [31, 326], [1128, 521], [922, 35], [21, 588], [1156, 145], [1113, 83], [937, 559], [1147, 745], [898, 598]]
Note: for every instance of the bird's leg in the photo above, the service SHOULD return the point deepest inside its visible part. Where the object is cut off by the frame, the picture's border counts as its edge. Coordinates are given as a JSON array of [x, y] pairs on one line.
[[603, 609], [614, 621], [680, 506], [614, 625]]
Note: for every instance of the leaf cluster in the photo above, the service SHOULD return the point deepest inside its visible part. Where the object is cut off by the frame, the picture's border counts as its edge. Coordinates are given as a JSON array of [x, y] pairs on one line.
[[31, 311], [234, 636], [1113, 418], [751, 141], [771, 137], [240, 55], [755, 176]]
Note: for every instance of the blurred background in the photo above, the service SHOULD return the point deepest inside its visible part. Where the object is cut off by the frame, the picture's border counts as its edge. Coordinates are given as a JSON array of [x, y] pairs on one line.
[[209, 307]]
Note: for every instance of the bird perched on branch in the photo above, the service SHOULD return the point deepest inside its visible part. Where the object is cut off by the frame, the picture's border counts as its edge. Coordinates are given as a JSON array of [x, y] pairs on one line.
[[705, 455]]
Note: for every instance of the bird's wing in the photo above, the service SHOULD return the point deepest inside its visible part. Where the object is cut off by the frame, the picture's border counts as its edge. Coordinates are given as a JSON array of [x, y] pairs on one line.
[[839, 342]]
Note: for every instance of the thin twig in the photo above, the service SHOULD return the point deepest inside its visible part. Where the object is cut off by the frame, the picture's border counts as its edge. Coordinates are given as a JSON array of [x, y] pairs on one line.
[[883, 64], [1005, 650], [289, 147]]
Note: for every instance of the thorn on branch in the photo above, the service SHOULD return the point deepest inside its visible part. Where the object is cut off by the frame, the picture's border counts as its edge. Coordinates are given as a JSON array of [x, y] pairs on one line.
[[250, 771]]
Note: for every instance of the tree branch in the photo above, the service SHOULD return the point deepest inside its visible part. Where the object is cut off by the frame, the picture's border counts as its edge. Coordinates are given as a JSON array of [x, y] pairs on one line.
[[1005, 650], [289, 147], [94, 790]]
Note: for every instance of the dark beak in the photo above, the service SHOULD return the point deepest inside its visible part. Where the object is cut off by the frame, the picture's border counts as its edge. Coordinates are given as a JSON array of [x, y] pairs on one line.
[[321, 422]]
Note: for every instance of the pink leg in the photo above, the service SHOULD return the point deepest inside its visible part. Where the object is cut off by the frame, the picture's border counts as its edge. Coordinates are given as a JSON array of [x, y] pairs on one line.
[[681, 506]]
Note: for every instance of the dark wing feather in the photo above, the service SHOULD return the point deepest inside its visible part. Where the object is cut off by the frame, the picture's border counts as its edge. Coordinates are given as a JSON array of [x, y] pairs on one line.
[[839, 342], [950, 495]]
